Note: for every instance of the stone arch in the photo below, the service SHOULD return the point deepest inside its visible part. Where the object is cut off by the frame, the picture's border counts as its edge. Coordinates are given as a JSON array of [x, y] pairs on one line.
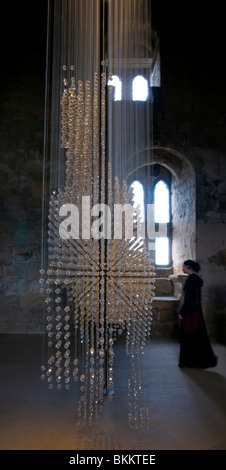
[[183, 194], [183, 203]]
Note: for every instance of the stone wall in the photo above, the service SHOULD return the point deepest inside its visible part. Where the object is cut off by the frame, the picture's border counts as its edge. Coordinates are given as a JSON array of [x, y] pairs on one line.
[[183, 218], [211, 239], [21, 157]]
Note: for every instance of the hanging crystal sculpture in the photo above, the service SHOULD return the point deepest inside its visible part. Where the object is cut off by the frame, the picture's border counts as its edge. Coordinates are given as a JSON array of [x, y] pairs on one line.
[[96, 286]]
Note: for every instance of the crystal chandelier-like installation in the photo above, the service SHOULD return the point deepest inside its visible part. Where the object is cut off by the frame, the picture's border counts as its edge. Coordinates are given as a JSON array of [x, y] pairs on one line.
[[99, 287]]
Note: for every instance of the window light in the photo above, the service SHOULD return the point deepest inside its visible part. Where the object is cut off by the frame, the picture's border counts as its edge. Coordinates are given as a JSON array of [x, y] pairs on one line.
[[117, 84], [140, 88]]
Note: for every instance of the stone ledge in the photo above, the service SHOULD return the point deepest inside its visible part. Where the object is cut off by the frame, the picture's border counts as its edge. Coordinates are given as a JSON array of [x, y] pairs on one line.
[[167, 303], [165, 299]]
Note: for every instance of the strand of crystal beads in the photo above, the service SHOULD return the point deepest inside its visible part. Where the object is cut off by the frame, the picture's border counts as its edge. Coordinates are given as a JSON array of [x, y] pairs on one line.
[[64, 116], [133, 385], [88, 140], [50, 329], [42, 291], [76, 169], [58, 339], [67, 344], [96, 332], [102, 356], [92, 366], [134, 397], [76, 326], [79, 160], [72, 105], [82, 314], [109, 299], [94, 350], [82, 409], [92, 376], [137, 390], [140, 423], [86, 371], [142, 418], [110, 365], [130, 404], [51, 333], [96, 145], [88, 367]]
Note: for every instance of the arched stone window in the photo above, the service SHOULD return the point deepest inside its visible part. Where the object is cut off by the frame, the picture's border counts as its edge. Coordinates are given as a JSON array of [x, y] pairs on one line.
[[162, 215], [176, 171], [138, 197], [117, 84], [140, 88]]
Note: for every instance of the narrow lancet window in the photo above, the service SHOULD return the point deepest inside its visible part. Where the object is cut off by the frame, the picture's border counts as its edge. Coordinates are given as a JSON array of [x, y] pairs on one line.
[[162, 217], [140, 88], [138, 197], [117, 84]]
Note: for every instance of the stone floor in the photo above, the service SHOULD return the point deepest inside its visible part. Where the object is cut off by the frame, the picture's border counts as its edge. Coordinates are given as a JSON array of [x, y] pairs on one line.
[[187, 407]]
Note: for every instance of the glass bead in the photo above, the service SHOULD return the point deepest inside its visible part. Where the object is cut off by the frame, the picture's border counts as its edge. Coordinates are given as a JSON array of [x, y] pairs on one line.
[[51, 360]]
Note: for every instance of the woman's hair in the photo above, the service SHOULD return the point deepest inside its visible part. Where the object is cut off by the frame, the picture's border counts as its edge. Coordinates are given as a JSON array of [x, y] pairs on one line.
[[193, 265]]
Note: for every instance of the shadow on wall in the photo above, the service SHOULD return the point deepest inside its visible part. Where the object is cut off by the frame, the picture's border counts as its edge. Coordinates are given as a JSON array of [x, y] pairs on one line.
[[219, 258], [216, 312]]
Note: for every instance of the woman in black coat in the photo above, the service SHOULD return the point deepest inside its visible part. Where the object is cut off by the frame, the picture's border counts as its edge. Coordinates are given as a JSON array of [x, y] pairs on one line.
[[195, 348]]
